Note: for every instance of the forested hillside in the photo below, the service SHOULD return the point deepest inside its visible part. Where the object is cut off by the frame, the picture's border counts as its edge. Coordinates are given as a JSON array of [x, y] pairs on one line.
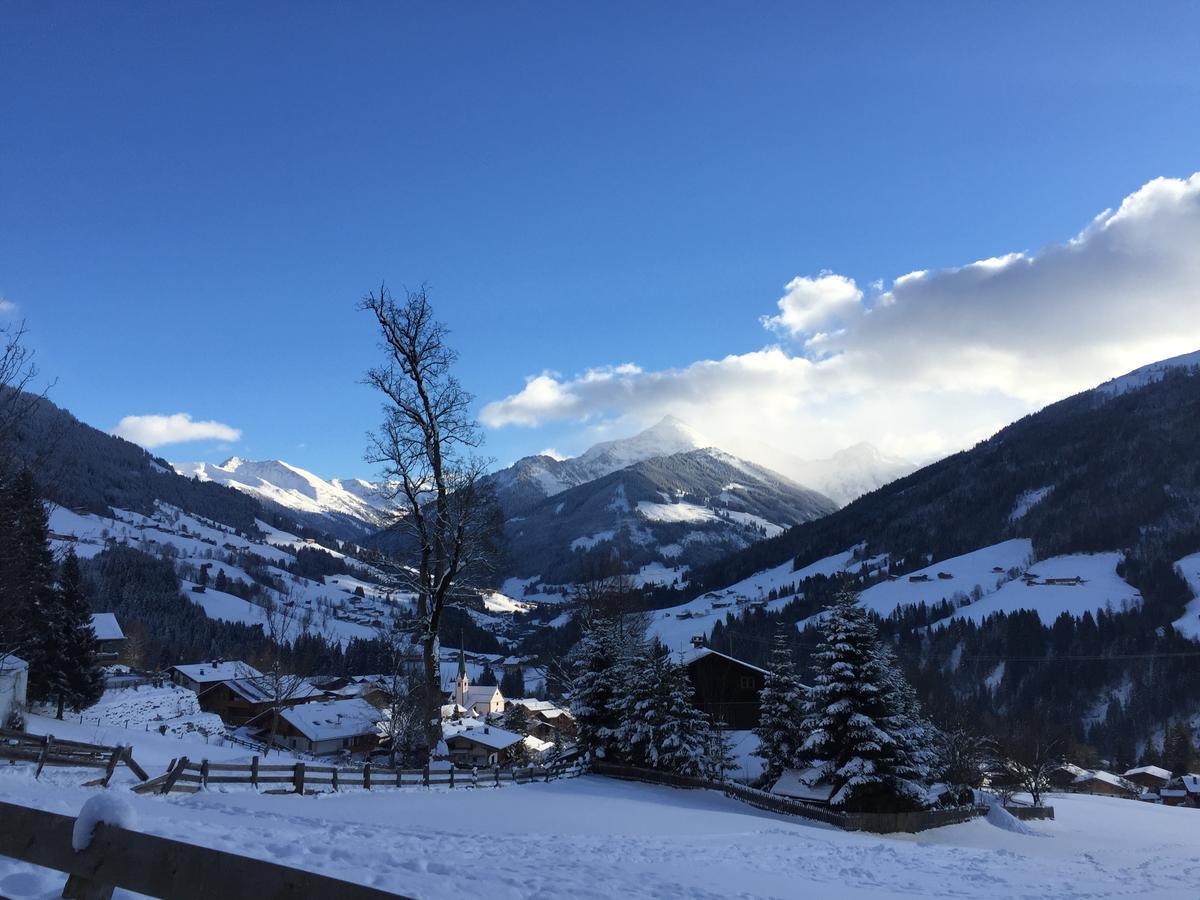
[[1093, 472]]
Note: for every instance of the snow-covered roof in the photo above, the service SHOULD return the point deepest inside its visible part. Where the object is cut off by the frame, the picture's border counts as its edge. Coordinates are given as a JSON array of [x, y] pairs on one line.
[[106, 627], [687, 657], [1108, 778], [11, 663], [208, 672], [537, 745], [545, 707], [480, 733], [803, 784], [478, 694], [1189, 783], [1154, 771], [261, 689], [330, 720]]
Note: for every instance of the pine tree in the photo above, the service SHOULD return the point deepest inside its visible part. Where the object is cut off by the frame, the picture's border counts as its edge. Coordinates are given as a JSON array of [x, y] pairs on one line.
[[81, 682], [660, 726], [781, 703], [27, 591], [1179, 750], [851, 711], [594, 687]]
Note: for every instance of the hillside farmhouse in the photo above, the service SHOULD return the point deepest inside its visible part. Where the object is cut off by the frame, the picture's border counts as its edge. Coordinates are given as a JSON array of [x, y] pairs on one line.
[[323, 727]]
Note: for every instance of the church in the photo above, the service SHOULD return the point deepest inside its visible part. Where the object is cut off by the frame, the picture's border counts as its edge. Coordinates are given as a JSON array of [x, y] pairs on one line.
[[481, 700]]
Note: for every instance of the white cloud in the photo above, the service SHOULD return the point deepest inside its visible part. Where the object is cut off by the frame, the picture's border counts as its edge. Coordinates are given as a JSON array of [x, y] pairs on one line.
[[7, 307], [817, 303], [157, 431], [935, 362]]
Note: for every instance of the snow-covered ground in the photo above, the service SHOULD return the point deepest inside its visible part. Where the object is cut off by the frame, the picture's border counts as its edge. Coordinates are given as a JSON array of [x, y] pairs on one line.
[[1189, 622], [599, 838], [169, 709], [976, 568], [1101, 588], [676, 633]]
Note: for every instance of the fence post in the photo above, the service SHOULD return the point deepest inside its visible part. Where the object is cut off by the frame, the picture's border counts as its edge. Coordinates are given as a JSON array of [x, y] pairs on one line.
[[367, 775], [452, 777], [474, 776], [497, 776], [174, 774], [254, 771], [298, 778], [426, 778], [204, 774], [112, 765], [47, 741], [335, 777]]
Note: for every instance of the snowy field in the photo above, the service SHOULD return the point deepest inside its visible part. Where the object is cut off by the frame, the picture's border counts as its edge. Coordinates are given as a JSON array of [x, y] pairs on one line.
[[594, 837], [1101, 588], [1189, 622]]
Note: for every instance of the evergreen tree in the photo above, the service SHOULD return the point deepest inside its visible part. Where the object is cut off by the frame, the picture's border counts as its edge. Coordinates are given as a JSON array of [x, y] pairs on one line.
[[781, 701], [27, 591], [81, 682], [660, 726], [513, 683], [1179, 750], [594, 687], [853, 721]]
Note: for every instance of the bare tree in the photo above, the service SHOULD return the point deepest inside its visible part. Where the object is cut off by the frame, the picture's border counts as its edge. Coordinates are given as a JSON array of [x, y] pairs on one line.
[[427, 447], [404, 723], [1027, 764], [280, 682], [17, 374]]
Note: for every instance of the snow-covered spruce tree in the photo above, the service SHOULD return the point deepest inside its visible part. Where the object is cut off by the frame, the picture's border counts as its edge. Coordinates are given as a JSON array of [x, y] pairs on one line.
[[81, 682], [660, 727], [27, 591], [781, 708], [595, 689], [852, 720], [916, 736]]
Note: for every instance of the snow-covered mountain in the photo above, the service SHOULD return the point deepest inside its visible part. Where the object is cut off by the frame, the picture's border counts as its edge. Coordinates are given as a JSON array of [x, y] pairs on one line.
[[532, 479], [662, 515], [1156, 371], [346, 507], [849, 473]]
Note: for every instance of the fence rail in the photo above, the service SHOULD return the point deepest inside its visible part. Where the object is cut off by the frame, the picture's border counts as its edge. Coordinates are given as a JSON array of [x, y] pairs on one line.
[[877, 823], [157, 866], [187, 776], [46, 750]]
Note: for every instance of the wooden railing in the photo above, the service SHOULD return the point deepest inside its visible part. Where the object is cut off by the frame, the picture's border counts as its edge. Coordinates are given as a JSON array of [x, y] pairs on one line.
[[184, 775], [157, 866], [878, 823], [46, 750]]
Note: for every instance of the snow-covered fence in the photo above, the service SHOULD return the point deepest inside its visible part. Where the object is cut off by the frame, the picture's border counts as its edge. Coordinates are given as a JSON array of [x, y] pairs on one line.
[[46, 750], [122, 857], [877, 823], [188, 776]]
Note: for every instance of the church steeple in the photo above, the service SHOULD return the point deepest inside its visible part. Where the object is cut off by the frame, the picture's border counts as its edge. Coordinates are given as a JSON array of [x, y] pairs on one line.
[[463, 683]]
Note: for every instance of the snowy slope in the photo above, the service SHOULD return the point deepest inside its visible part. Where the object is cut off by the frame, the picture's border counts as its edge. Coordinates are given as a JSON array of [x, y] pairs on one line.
[[1100, 588], [1189, 622], [971, 570], [592, 838], [334, 503], [1156, 371], [676, 625]]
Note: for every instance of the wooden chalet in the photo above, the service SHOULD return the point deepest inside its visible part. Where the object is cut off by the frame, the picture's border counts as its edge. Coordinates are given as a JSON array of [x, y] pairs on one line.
[[724, 687], [239, 700], [198, 676], [1152, 778], [323, 727], [1182, 790], [110, 639], [471, 742]]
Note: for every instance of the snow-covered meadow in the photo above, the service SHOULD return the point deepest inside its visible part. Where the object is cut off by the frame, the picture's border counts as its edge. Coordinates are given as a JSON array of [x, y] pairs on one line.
[[594, 837]]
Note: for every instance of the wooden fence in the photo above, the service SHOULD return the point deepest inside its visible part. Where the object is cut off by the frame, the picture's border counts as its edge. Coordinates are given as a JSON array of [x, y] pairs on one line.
[[46, 750], [157, 866], [184, 775], [877, 823]]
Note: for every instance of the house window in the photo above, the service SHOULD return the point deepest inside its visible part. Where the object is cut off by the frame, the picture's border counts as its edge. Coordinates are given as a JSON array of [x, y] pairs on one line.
[[747, 682]]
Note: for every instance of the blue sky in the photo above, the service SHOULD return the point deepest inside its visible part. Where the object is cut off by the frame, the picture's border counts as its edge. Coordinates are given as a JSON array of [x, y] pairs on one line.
[[195, 196]]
